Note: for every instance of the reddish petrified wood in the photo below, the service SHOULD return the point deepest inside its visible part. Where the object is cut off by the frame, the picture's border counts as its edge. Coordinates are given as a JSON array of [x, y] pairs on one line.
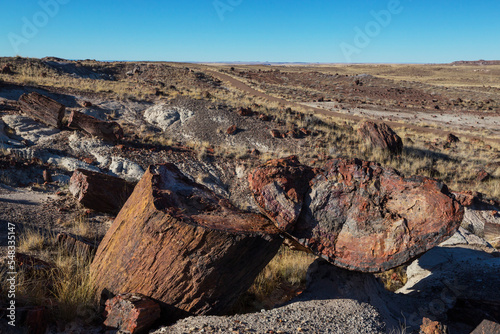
[[131, 313], [42, 109], [357, 214], [179, 243], [232, 130], [109, 131], [381, 135], [100, 192], [279, 187]]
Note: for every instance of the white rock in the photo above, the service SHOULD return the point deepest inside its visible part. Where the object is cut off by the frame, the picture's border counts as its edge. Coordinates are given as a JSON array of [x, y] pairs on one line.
[[126, 169], [164, 116], [27, 128]]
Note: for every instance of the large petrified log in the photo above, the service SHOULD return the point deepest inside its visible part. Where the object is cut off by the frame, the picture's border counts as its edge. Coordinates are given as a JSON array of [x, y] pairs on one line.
[[109, 131], [100, 192], [179, 243], [42, 109], [357, 214], [382, 136]]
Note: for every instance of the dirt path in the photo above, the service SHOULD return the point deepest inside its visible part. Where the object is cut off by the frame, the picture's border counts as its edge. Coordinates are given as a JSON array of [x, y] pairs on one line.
[[365, 115]]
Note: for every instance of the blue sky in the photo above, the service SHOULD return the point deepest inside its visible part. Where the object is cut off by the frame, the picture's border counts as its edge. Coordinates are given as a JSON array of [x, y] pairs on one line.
[[405, 31]]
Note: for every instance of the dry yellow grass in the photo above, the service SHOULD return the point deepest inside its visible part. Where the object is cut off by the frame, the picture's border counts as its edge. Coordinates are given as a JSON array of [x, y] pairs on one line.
[[67, 288]]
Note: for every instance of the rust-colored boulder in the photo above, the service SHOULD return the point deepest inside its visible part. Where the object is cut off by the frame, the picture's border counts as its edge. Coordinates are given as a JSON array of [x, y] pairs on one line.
[[279, 187], [245, 111], [356, 214], [232, 130], [100, 192], [132, 313], [179, 243], [382, 136]]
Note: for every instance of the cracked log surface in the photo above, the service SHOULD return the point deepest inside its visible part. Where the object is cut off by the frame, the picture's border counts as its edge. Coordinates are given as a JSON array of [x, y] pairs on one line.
[[178, 243], [42, 109]]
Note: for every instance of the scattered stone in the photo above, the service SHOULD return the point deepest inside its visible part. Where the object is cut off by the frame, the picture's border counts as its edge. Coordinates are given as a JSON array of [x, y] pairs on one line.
[[382, 136], [131, 313], [245, 111], [42, 109], [451, 139], [100, 192], [109, 131], [181, 244], [305, 131], [232, 130], [264, 118], [47, 178], [483, 176], [275, 133]]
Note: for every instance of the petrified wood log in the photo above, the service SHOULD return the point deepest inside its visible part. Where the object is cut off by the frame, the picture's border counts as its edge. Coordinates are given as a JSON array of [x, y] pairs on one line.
[[179, 243], [109, 131], [357, 214], [131, 313], [42, 109], [279, 188], [100, 192], [76, 244]]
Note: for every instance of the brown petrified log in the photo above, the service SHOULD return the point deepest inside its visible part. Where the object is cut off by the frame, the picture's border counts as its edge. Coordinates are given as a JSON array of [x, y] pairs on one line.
[[382, 136], [131, 313], [356, 214], [179, 243], [42, 109], [100, 192], [76, 244], [109, 131]]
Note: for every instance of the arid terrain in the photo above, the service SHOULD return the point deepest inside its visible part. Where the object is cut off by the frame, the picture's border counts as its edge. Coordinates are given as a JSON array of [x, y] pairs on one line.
[[435, 144]]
